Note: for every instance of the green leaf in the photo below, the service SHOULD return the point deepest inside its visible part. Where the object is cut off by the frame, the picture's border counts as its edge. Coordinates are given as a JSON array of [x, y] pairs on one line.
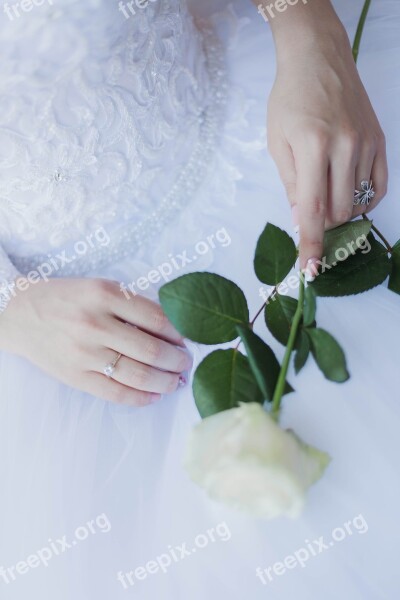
[[357, 274], [275, 256], [222, 380], [310, 306], [303, 351], [263, 362], [328, 355], [394, 281], [205, 307], [345, 239], [279, 314]]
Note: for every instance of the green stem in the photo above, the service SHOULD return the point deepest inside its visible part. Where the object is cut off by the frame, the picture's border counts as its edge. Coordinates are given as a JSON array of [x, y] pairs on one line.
[[251, 324], [281, 383], [379, 234], [360, 29], [272, 294]]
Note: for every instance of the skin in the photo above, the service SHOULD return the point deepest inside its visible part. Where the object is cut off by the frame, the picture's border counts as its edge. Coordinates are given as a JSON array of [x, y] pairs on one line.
[[322, 130], [71, 328], [325, 138]]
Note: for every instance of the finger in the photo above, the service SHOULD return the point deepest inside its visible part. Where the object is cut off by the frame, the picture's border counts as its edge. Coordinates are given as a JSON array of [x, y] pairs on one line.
[[112, 391], [379, 175], [364, 173], [284, 159], [312, 191], [145, 348], [344, 160], [147, 315], [340, 193], [137, 375]]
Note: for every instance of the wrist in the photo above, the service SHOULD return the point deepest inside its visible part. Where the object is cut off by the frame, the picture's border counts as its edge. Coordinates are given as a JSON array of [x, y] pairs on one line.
[[309, 25]]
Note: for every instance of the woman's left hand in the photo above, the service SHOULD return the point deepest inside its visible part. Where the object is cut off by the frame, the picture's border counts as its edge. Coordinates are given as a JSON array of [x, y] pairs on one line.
[[323, 134]]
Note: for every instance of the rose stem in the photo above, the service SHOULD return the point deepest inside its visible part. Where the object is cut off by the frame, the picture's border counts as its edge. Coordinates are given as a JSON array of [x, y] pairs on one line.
[[281, 383]]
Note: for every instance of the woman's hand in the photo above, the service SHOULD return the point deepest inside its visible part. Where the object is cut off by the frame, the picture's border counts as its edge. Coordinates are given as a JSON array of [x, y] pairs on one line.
[[322, 130], [73, 328]]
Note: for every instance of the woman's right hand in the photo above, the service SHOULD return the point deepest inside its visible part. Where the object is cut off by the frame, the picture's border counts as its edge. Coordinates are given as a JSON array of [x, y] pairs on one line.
[[72, 328]]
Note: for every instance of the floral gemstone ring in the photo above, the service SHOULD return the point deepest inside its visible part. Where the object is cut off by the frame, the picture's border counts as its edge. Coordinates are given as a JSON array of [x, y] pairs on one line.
[[364, 196]]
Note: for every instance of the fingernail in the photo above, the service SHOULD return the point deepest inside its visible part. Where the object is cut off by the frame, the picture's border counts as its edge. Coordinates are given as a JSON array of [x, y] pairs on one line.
[[155, 398], [295, 218], [311, 270], [182, 381]]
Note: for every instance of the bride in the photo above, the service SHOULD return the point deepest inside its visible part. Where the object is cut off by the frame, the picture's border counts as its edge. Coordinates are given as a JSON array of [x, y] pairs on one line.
[[132, 145]]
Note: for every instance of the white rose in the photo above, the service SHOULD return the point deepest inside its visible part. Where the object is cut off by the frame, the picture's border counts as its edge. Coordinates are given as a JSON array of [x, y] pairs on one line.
[[244, 459]]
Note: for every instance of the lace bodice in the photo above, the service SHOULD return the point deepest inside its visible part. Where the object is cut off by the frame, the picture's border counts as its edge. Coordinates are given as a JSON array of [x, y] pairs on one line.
[[105, 121]]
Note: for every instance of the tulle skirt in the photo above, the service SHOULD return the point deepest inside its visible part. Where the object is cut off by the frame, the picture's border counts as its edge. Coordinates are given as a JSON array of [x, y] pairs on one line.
[[95, 502]]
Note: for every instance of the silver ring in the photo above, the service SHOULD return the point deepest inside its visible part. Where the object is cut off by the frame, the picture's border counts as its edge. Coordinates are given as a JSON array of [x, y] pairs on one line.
[[364, 196], [109, 369]]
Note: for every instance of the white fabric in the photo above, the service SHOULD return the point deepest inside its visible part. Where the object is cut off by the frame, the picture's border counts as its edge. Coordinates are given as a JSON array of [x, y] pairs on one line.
[[66, 458], [99, 122]]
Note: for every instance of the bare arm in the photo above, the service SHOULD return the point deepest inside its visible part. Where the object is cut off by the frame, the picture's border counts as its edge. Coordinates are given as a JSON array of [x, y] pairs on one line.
[[322, 130]]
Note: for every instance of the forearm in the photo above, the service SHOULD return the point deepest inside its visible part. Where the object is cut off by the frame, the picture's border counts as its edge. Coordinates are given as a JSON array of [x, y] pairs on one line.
[[322, 130], [297, 26]]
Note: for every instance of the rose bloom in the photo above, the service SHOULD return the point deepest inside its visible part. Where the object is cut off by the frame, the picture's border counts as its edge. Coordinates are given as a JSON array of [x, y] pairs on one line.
[[243, 458]]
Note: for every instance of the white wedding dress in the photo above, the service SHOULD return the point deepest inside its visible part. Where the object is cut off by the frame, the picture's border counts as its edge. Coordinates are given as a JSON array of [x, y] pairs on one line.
[[146, 135]]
